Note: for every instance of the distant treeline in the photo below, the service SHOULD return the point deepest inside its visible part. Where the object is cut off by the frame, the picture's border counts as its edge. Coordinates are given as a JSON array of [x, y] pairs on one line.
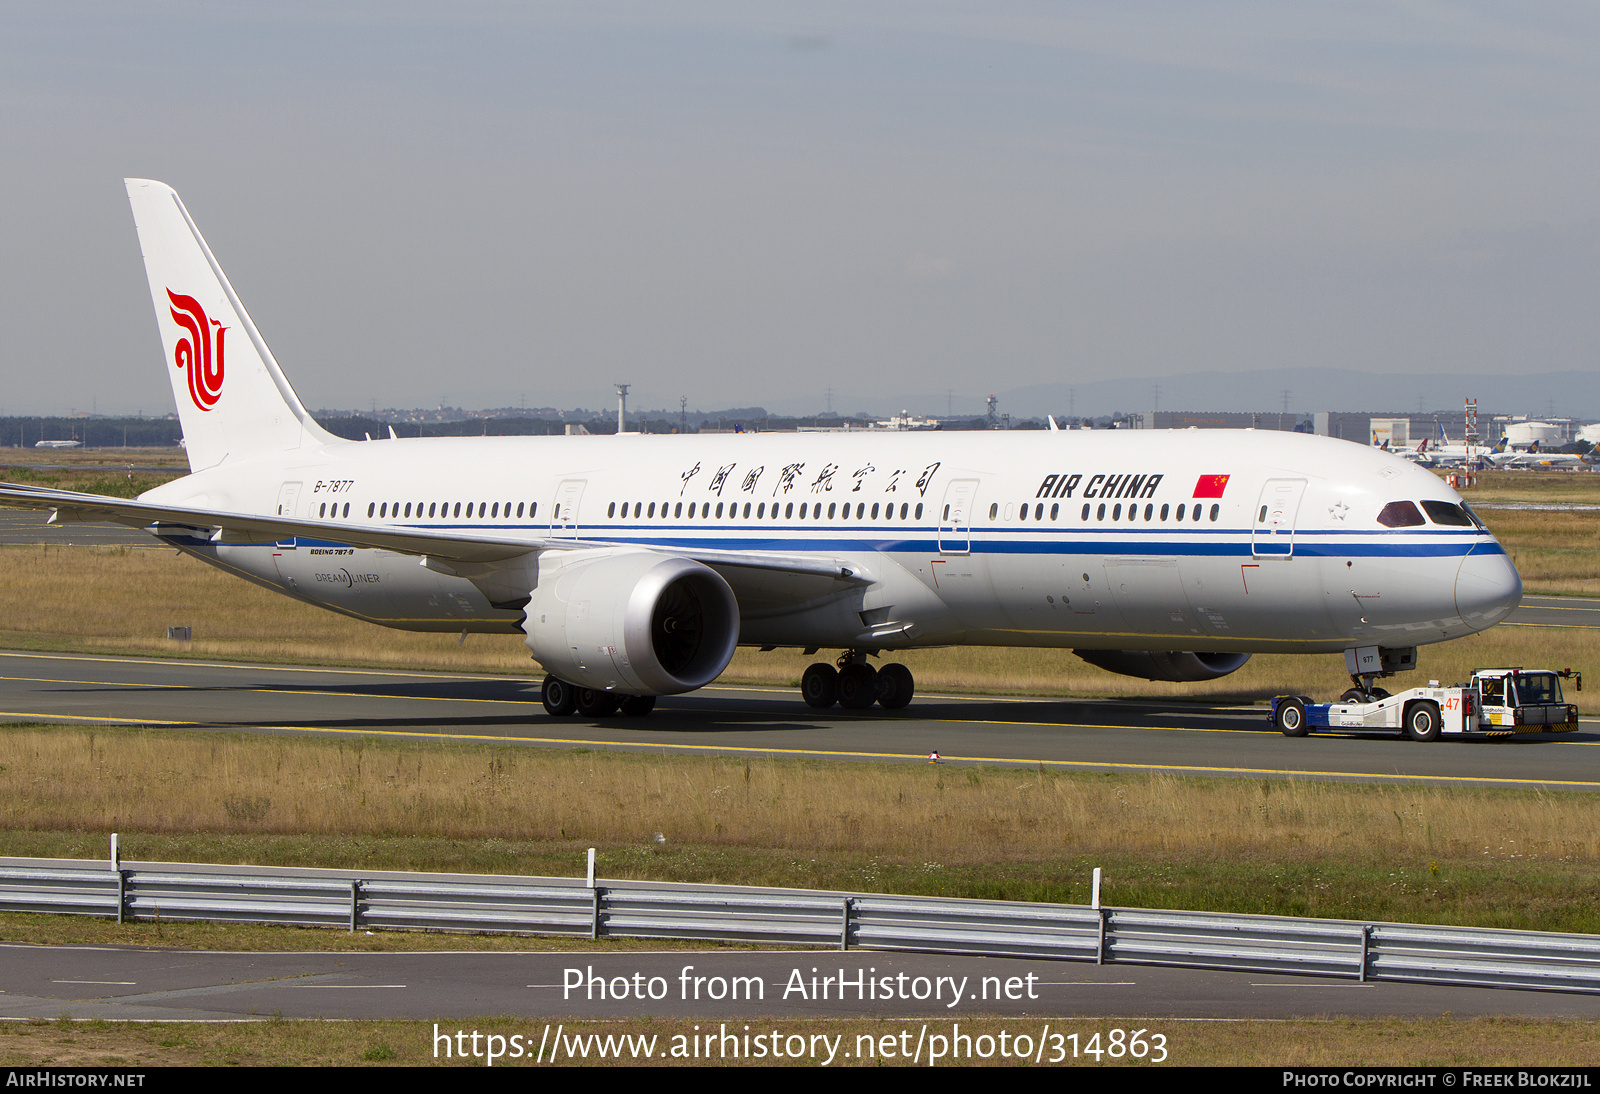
[[92, 432], [356, 427]]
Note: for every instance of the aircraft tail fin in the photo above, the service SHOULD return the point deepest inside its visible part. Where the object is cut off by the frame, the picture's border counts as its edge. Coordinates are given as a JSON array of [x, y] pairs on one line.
[[233, 399]]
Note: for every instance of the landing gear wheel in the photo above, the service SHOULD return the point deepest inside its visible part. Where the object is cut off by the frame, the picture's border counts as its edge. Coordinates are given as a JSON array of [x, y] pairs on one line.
[[858, 686], [594, 703], [560, 698], [895, 686], [1422, 722], [1291, 718], [637, 706], [820, 686]]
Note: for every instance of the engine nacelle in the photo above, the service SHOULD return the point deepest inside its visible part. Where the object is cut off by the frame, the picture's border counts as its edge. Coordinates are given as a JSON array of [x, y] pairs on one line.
[[1176, 666], [631, 622]]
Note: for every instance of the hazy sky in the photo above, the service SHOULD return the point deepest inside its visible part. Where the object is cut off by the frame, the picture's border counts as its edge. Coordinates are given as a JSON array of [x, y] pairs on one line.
[[745, 203]]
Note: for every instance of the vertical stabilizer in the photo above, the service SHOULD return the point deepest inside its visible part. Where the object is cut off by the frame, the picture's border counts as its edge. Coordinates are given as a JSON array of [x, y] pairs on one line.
[[233, 400]]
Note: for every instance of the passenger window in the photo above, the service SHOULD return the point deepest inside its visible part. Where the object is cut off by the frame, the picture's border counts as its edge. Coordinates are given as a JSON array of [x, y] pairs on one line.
[[1100, 513], [1085, 514], [1399, 514], [919, 511], [652, 511], [533, 510], [830, 511], [1164, 511], [761, 511], [1116, 511], [1148, 510], [994, 510], [1055, 511], [1442, 512], [691, 510], [874, 510], [1022, 512], [788, 510], [677, 510], [1216, 511], [611, 510], [803, 510], [347, 509]]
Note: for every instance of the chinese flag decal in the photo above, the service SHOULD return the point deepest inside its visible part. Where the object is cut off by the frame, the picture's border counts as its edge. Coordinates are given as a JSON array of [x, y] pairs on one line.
[[1210, 486]]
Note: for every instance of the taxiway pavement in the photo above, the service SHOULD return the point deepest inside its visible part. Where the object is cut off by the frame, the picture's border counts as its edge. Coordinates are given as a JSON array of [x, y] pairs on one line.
[[1183, 738]]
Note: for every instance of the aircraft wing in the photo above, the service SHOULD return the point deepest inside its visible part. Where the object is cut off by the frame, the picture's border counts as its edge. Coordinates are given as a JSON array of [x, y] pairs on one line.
[[454, 545]]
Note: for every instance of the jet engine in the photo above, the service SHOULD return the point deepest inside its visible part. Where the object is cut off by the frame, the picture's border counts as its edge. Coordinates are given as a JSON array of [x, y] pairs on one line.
[[1177, 666], [631, 622]]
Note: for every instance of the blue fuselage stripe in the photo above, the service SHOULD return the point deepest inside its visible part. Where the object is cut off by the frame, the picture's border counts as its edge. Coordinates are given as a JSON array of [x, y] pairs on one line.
[[1222, 542]]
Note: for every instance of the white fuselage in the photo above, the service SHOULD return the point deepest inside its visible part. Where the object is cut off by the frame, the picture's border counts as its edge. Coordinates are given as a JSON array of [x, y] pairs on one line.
[[1067, 539]]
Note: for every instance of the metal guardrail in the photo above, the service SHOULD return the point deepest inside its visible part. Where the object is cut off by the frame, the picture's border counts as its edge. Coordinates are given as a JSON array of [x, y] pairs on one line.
[[560, 906]]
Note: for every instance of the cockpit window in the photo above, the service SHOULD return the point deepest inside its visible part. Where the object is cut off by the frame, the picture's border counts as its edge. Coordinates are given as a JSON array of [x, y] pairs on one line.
[[1400, 514], [1443, 512], [1482, 527]]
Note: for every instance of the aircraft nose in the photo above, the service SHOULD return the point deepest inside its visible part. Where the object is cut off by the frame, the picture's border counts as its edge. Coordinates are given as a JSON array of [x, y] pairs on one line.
[[1488, 587]]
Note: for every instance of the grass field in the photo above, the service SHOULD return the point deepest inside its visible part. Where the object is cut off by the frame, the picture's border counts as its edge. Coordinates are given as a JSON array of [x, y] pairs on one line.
[[1291, 847]]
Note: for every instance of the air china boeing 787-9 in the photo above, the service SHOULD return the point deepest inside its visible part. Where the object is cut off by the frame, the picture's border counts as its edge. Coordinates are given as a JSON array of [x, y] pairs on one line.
[[635, 565]]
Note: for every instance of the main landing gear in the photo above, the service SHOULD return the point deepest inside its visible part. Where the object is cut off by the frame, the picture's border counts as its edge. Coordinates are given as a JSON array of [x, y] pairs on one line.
[[562, 699], [856, 685]]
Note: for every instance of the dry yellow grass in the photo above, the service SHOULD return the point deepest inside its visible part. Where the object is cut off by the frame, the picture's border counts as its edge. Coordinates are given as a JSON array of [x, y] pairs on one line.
[[122, 599], [160, 781], [1555, 552], [1536, 486]]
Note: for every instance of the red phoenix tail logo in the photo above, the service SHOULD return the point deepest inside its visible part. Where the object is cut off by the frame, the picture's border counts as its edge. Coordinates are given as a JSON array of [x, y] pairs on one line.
[[195, 354]]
